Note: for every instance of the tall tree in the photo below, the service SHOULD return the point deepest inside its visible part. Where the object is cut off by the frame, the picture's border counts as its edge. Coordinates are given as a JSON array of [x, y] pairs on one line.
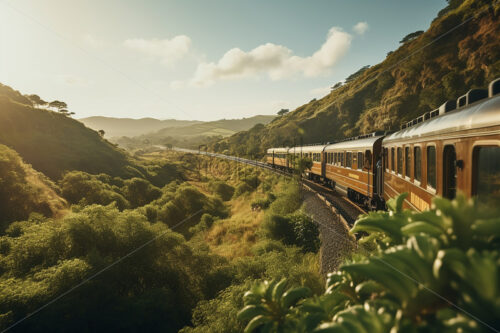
[[58, 105], [36, 100], [282, 112]]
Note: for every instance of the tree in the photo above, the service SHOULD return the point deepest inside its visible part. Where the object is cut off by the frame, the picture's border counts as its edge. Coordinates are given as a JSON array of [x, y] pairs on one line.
[[336, 85], [60, 106], [101, 132], [282, 112], [411, 36], [36, 100], [356, 74]]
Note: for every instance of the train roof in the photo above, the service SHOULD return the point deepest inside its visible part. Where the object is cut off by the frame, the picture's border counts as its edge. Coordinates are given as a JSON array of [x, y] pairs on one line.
[[308, 149], [482, 114], [278, 150], [364, 143]]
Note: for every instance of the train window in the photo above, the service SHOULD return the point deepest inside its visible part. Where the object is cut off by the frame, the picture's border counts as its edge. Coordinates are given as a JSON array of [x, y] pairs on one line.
[[431, 166], [392, 160], [417, 165], [360, 161], [342, 159], [386, 162], [348, 159], [407, 162], [368, 159], [400, 160], [487, 174], [354, 160]]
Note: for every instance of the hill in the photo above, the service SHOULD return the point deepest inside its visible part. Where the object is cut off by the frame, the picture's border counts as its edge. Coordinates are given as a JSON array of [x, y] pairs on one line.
[[117, 127], [24, 190], [193, 135], [54, 143], [459, 51]]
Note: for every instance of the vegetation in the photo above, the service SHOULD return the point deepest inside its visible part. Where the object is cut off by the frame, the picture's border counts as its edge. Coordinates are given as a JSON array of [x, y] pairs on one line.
[[53, 143], [433, 271], [412, 80]]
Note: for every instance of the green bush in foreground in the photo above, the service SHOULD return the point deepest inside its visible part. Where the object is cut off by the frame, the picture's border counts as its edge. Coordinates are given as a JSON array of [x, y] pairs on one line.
[[434, 271]]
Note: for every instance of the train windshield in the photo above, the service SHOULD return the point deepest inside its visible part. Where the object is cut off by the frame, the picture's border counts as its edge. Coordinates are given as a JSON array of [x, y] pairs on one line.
[[487, 174]]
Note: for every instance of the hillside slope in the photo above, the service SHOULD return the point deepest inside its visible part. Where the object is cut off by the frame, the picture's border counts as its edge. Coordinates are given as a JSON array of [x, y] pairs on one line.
[[116, 127], [414, 79], [54, 143], [24, 190]]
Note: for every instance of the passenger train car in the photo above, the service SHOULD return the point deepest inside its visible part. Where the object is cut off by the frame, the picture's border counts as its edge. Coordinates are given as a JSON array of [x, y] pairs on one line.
[[453, 148]]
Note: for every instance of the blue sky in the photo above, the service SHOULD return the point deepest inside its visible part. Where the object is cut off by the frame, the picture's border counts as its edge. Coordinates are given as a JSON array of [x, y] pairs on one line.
[[189, 59]]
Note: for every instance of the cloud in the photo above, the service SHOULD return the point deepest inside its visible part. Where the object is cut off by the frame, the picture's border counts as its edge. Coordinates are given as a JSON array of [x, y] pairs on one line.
[[321, 91], [360, 28], [277, 61], [167, 50]]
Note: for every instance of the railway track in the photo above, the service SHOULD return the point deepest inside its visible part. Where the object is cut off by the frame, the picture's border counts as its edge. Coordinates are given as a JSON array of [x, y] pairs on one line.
[[345, 207]]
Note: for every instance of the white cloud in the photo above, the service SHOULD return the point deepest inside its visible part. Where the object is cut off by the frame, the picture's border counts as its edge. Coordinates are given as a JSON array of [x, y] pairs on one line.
[[360, 28], [276, 61], [168, 50], [176, 85], [322, 91]]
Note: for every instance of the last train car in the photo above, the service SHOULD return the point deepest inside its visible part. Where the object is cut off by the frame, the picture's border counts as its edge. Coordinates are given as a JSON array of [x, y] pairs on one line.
[[451, 149]]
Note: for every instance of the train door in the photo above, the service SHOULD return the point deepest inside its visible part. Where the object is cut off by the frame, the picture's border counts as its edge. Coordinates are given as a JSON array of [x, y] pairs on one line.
[[449, 172], [324, 158]]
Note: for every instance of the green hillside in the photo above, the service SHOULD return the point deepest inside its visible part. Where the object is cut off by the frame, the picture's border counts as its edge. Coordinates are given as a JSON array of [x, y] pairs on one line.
[[418, 77], [117, 127], [54, 143], [24, 191]]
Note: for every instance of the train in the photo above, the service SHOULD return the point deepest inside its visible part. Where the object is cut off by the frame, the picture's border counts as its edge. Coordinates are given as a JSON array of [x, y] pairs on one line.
[[454, 148]]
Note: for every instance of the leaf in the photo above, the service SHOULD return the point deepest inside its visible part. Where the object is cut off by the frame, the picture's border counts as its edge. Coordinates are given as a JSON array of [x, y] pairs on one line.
[[255, 323], [294, 295]]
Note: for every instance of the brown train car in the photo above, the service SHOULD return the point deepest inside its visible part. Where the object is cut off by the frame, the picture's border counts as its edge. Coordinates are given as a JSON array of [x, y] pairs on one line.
[[315, 153], [446, 151], [270, 156], [351, 166], [280, 157]]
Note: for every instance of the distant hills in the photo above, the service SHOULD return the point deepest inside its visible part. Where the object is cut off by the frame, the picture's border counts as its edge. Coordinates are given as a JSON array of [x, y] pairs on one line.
[[182, 133], [454, 55], [116, 127], [54, 143]]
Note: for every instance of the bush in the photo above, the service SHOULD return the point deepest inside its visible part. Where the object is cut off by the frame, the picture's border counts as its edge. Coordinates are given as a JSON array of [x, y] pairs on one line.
[[263, 203], [140, 192], [428, 271], [295, 229], [241, 189], [288, 201], [222, 189], [79, 187]]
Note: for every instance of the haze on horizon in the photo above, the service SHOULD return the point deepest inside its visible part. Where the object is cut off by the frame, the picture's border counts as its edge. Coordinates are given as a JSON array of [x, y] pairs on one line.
[[195, 60]]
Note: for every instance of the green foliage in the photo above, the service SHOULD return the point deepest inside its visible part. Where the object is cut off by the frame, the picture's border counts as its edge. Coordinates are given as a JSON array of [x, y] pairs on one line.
[[154, 289], [241, 189], [222, 189], [288, 200], [427, 271], [57, 143], [23, 190], [139, 192], [293, 229], [82, 188], [263, 203]]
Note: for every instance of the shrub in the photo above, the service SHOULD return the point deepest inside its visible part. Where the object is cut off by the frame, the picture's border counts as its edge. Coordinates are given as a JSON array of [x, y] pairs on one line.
[[222, 189], [139, 192], [241, 189], [428, 271]]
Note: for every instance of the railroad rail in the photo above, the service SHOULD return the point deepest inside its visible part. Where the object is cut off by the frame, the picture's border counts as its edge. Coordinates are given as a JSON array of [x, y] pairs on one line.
[[347, 209]]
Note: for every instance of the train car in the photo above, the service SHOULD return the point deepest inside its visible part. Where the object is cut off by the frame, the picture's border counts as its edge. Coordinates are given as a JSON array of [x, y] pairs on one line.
[[280, 158], [453, 148], [351, 166], [270, 156], [315, 153]]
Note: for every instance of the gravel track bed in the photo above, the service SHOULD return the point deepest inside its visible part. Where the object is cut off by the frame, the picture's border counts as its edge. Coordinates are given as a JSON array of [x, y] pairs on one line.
[[336, 242]]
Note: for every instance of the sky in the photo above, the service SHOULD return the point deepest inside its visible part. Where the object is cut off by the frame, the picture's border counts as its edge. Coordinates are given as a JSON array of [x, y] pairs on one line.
[[202, 60]]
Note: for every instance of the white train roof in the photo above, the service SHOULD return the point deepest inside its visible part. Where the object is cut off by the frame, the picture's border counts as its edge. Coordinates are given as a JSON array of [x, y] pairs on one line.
[[278, 150], [359, 144], [307, 149], [482, 114]]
